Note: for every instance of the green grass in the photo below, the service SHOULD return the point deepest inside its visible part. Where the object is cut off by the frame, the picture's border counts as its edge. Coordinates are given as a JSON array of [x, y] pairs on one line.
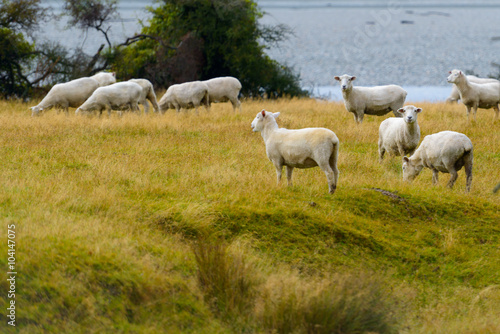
[[174, 224]]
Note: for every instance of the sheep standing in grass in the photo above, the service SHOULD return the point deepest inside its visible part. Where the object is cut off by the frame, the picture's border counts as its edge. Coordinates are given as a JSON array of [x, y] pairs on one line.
[[224, 89], [186, 95], [73, 93], [114, 97], [148, 93], [455, 94], [486, 95], [378, 100], [399, 136], [445, 152], [303, 148]]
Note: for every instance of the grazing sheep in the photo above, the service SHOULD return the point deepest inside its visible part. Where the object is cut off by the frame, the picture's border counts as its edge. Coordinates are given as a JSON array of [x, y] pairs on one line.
[[486, 95], [224, 89], [148, 93], [105, 78], [69, 94], [378, 100], [185, 95], [445, 152], [73, 93], [399, 136], [116, 96], [303, 148], [455, 94]]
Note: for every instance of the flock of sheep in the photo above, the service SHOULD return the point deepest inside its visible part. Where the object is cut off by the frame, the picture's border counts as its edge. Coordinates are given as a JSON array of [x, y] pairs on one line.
[[101, 92], [445, 152]]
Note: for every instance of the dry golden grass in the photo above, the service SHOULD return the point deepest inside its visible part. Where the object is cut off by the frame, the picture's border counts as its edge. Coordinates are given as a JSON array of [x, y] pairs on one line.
[[104, 206]]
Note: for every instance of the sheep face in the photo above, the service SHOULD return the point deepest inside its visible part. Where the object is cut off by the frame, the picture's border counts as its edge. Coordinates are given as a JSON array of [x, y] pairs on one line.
[[409, 113], [345, 81], [410, 171], [35, 110], [263, 118], [455, 76]]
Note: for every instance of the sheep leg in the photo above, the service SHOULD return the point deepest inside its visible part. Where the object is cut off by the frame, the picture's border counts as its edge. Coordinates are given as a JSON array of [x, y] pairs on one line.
[[135, 107], [435, 176], [289, 171], [468, 112], [146, 106], [236, 104], [331, 176], [279, 168], [496, 112], [359, 118], [453, 177], [381, 152], [475, 111], [468, 171]]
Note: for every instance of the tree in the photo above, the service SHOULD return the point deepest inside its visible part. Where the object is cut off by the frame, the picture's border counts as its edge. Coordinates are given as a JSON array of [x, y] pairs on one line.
[[24, 65], [206, 39], [91, 14], [16, 53]]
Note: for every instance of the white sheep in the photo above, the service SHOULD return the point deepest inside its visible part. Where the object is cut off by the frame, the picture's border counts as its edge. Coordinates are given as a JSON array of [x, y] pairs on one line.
[[400, 136], [455, 94], [486, 95], [105, 78], [148, 93], [224, 89], [445, 152], [185, 95], [73, 93], [303, 148], [377, 100], [113, 97]]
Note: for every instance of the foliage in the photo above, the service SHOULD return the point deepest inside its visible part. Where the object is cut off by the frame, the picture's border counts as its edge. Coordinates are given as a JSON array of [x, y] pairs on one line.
[[25, 65], [226, 38], [17, 52]]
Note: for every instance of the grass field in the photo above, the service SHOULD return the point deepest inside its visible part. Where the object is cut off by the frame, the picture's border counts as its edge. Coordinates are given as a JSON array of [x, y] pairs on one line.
[[174, 223]]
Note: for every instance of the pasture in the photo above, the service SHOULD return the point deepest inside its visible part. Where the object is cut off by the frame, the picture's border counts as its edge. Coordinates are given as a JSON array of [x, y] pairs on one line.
[[142, 223]]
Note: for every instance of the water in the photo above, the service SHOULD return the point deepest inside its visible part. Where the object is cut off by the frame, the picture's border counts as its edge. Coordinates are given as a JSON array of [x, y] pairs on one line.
[[409, 43]]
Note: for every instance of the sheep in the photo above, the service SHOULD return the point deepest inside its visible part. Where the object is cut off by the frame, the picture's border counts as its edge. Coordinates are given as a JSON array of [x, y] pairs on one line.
[[486, 95], [73, 93], [69, 94], [400, 136], [378, 100], [105, 78], [455, 94], [185, 95], [224, 89], [148, 93], [116, 96], [303, 148], [445, 152]]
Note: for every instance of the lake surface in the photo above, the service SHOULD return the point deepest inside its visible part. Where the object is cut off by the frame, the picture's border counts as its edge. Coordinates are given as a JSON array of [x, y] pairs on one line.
[[409, 43]]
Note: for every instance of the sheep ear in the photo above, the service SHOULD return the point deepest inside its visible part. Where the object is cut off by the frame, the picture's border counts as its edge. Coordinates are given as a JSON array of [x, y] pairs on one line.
[[276, 114], [401, 111], [263, 113], [449, 72], [418, 110], [406, 159], [337, 78], [353, 78]]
